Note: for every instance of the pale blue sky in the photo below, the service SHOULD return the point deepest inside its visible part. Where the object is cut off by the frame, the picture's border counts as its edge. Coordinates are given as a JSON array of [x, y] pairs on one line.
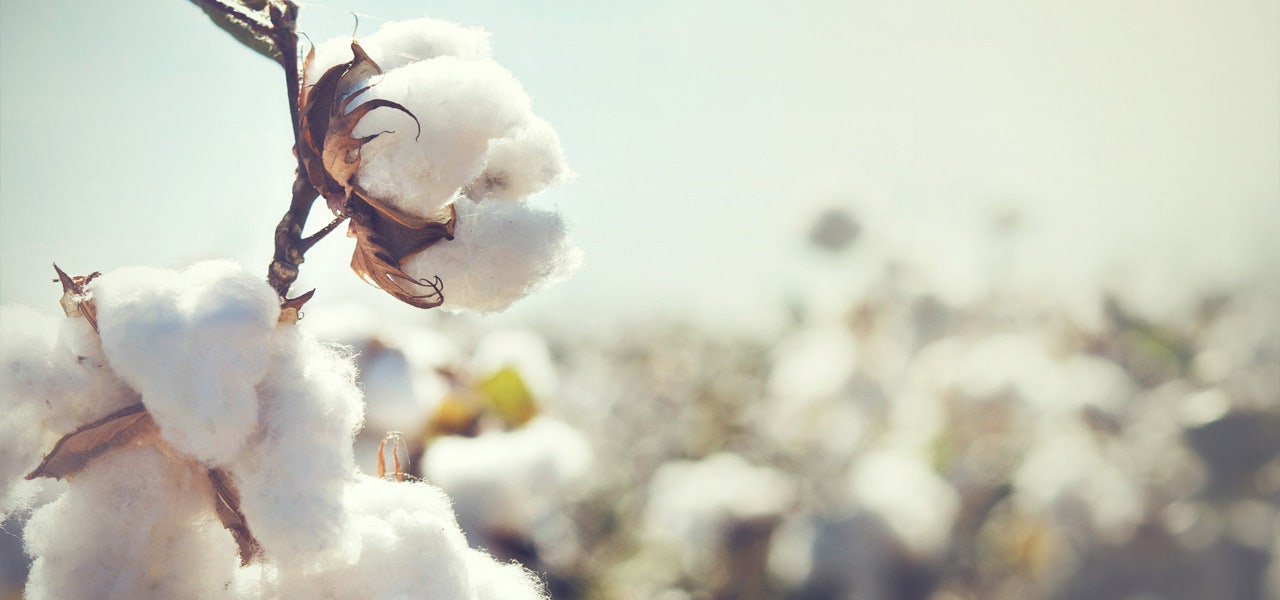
[[135, 132]]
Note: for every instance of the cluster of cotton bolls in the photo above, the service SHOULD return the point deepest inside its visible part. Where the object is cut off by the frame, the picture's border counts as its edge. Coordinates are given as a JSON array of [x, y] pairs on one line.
[[467, 140], [902, 438], [230, 388]]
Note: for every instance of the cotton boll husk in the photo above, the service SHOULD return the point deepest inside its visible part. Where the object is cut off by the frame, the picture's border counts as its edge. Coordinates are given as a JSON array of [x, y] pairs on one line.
[[526, 162], [294, 471], [500, 253], [509, 480], [193, 343], [410, 547], [398, 43], [136, 524], [460, 104]]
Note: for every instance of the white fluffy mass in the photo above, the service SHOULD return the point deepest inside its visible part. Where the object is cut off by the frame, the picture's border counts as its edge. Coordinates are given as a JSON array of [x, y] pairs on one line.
[[479, 135], [508, 480], [201, 348], [501, 252], [194, 343]]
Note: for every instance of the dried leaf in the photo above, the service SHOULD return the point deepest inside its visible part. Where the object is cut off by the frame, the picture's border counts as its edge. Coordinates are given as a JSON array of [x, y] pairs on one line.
[[327, 148], [382, 244], [226, 499], [75, 301], [508, 396], [130, 426], [291, 309]]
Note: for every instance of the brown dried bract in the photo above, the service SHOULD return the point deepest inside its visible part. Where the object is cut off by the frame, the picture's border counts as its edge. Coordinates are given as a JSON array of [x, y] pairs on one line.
[[327, 148], [75, 301], [382, 245], [130, 426], [226, 499]]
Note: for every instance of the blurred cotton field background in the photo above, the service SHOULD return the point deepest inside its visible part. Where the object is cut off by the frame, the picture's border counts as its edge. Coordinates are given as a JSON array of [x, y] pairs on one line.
[[879, 302]]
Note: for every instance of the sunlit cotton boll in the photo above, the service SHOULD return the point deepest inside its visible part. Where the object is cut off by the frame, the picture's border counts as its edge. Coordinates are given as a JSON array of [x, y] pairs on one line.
[[523, 163], [410, 547], [194, 343], [460, 105], [295, 469], [398, 43], [507, 481], [918, 506], [500, 253], [692, 505], [136, 524]]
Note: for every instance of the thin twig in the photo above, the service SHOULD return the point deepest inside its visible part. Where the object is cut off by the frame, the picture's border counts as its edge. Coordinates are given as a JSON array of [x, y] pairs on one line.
[[250, 20]]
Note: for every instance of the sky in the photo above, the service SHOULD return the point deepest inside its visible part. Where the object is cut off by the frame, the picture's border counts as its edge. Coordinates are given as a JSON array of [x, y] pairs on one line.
[[1143, 137]]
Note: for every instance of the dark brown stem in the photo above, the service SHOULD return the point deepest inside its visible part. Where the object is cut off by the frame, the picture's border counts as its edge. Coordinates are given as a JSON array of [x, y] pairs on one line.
[[290, 246], [311, 240]]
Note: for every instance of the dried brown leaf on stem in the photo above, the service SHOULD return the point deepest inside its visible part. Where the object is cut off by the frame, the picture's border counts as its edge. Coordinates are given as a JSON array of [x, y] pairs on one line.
[[129, 426], [75, 301], [382, 244], [226, 500]]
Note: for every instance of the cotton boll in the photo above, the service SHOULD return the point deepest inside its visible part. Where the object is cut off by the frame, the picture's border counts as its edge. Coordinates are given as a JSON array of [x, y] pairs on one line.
[[193, 343], [410, 547], [693, 504], [293, 473], [526, 162], [398, 43], [500, 253], [460, 104], [52, 379], [508, 481], [493, 580], [918, 506], [136, 524]]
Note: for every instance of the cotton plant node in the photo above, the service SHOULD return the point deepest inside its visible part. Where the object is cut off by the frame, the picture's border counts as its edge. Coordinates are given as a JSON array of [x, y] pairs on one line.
[[75, 301]]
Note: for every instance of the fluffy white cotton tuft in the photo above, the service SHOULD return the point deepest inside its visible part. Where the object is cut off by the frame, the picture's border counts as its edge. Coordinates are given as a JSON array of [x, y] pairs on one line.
[[410, 547], [501, 252], [461, 105], [693, 504], [135, 524], [53, 378], [506, 481], [293, 473], [399, 43], [526, 162], [194, 343]]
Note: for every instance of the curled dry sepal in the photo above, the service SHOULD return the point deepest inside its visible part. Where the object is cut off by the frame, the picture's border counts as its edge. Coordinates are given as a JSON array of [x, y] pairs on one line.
[[134, 426], [330, 153]]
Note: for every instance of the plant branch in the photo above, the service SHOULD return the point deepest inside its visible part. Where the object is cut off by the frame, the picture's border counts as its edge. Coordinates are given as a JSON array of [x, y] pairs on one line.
[[251, 21]]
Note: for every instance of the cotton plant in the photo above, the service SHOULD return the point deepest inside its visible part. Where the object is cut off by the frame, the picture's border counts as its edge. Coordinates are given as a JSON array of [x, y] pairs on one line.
[[206, 440]]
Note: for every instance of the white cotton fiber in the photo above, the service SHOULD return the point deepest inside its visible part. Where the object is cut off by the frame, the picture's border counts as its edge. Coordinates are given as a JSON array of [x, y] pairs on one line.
[[410, 547], [399, 43], [135, 524], [692, 504], [506, 481], [294, 471], [460, 104], [500, 253], [53, 378], [194, 343], [523, 163]]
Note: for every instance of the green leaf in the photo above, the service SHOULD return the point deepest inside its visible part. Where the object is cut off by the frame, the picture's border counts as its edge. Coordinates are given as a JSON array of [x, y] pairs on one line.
[[509, 397], [245, 20]]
